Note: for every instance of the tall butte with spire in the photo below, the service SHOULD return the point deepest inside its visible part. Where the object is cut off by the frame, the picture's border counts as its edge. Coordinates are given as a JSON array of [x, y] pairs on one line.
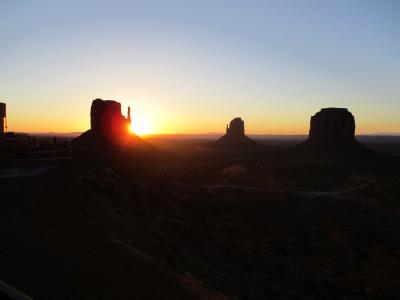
[[108, 126], [235, 137], [106, 119]]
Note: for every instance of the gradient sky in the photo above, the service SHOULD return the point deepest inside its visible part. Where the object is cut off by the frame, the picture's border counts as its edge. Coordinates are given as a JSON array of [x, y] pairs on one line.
[[191, 66]]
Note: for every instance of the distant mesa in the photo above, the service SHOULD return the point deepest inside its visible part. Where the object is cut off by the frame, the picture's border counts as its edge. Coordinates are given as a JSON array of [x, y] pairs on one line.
[[332, 130], [336, 124], [235, 128], [235, 137]]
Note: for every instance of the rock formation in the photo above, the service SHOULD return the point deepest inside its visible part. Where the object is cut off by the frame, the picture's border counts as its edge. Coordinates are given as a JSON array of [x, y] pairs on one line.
[[332, 132], [110, 138], [235, 128], [106, 118], [109, 128], [332, 124], [235, 137]]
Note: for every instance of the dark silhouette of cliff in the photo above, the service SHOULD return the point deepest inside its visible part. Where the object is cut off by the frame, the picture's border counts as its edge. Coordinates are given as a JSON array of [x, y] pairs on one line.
[[106, 117], [332, 132], [109, 128], [110, 134], [235, 138]]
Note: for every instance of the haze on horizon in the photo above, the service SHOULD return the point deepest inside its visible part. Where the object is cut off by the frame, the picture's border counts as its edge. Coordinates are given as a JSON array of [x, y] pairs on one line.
[[191, 66]]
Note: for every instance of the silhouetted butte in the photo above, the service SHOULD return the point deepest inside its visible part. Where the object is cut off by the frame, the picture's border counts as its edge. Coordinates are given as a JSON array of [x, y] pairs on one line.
[[235, 138], [109, 128], [332, 131]]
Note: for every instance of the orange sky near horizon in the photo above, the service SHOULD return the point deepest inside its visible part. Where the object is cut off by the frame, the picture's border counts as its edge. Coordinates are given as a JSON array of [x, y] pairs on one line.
[[161, 121]]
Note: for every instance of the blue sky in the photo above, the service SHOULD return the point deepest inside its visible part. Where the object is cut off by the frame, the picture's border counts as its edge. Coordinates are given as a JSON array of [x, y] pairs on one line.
[[191, 66]]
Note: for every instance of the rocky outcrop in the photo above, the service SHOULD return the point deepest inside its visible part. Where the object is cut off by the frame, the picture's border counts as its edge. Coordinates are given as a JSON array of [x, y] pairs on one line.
[[332, 132], [110, 138], [332, 124], [235, 128], [106, 118], [109, 128], [235, 138]]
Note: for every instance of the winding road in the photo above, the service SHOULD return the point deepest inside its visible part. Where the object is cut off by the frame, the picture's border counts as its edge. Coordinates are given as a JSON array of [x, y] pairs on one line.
[[247, 188]]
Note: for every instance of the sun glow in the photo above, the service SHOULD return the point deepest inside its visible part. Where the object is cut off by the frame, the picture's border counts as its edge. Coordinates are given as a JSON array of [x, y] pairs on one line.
[[140, 126]]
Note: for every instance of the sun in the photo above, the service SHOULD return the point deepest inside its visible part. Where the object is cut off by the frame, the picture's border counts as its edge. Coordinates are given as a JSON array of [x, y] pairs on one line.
[[140, 126]]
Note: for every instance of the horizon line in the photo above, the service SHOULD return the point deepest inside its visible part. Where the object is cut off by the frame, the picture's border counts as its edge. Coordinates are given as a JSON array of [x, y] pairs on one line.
[[206, 133]]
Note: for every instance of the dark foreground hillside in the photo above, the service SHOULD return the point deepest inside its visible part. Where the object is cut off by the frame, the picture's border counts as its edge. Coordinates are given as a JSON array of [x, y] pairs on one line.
[[256, 228]]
